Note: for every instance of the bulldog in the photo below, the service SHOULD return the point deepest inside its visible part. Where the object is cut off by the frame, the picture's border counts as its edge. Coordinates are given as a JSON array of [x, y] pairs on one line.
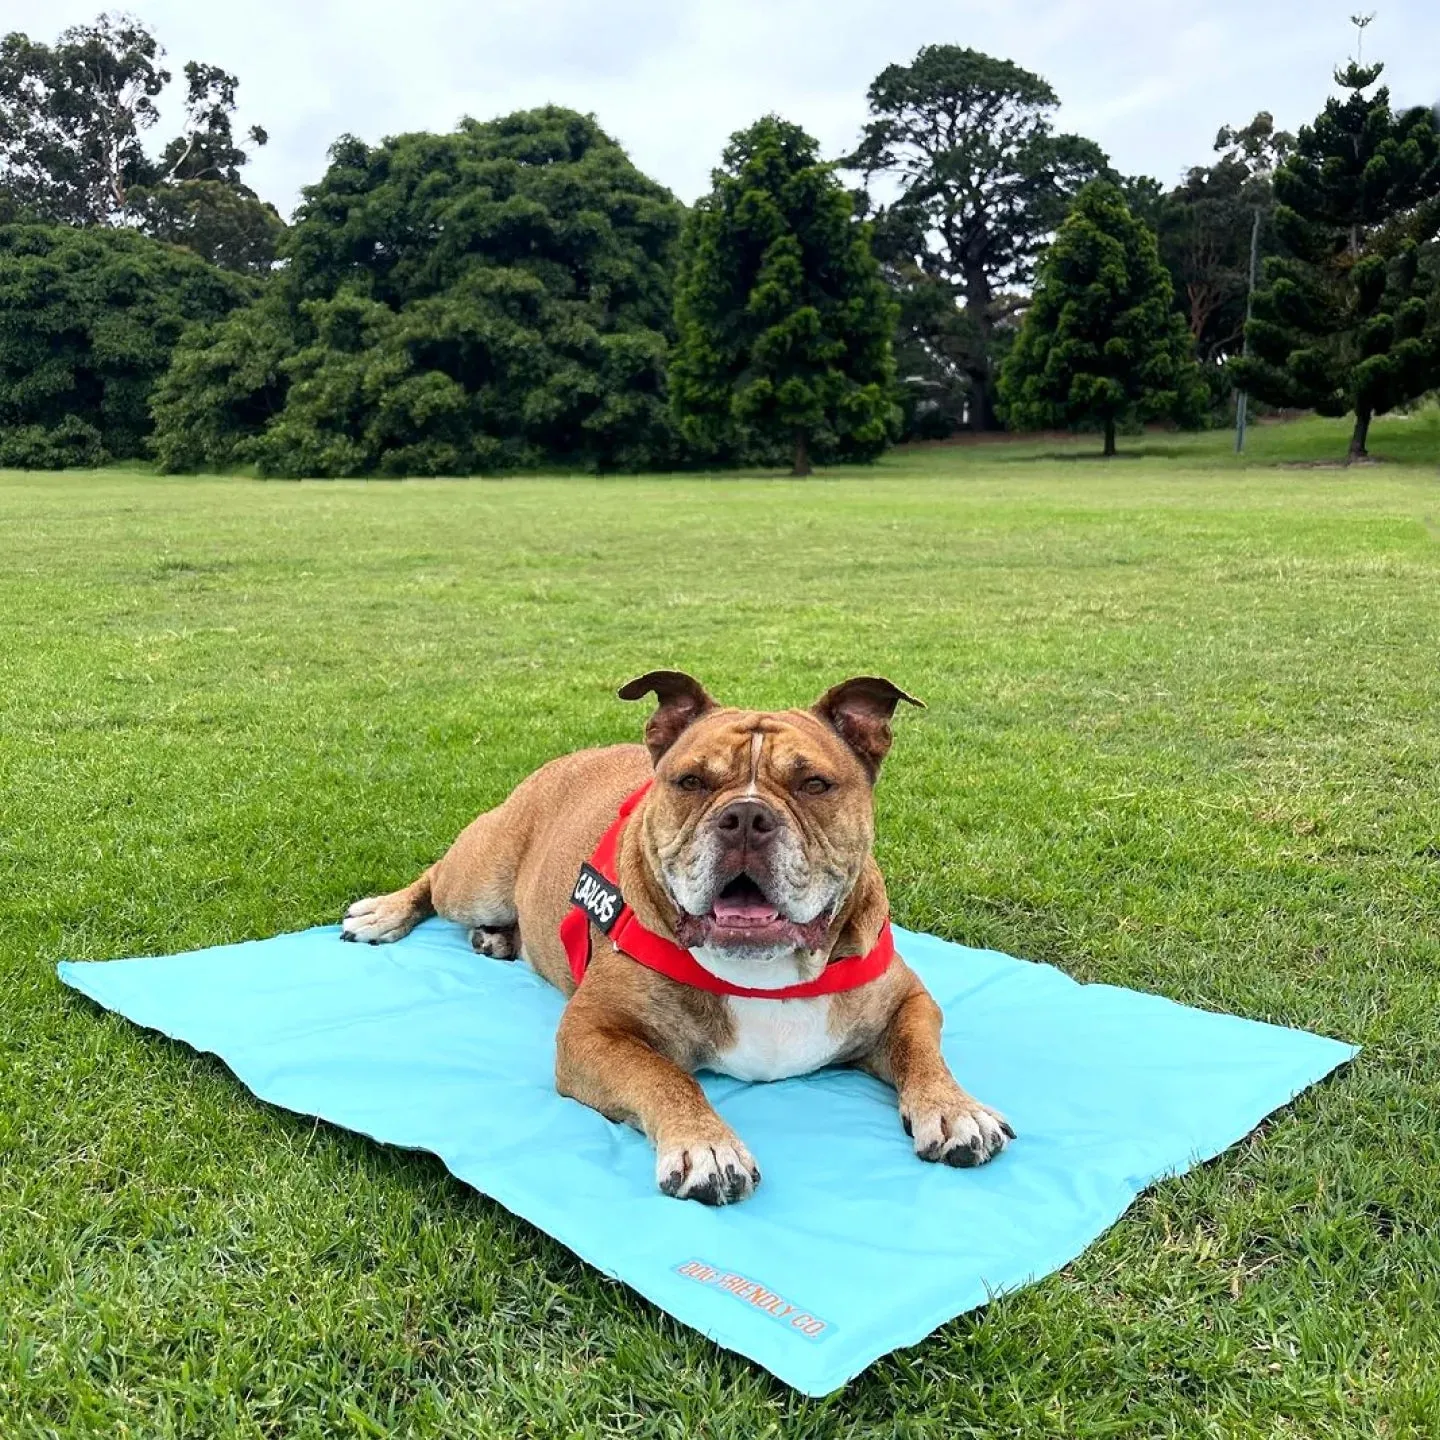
[[738, 845]]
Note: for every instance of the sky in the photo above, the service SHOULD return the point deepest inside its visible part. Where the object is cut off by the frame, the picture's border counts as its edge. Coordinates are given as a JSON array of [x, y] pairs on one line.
[[1150, 80]]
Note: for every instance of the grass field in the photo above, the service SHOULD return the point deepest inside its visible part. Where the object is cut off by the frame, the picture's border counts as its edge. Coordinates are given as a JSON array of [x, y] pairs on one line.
[[1182, 735]]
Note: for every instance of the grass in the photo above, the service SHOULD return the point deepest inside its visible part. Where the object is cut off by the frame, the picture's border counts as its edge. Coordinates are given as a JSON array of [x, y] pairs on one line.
[[1182, 736]]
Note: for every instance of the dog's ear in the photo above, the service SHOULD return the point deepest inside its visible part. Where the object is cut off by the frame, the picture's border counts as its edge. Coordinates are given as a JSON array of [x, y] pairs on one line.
[[859, 711], [683, 700]]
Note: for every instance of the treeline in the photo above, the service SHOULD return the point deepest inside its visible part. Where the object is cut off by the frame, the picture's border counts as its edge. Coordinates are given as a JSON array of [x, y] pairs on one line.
[[517, 294]]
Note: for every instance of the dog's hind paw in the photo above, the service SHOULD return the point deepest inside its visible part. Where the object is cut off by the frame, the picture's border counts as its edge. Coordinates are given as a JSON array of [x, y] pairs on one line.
[[379, 919], [714, 1174], [499, 942]]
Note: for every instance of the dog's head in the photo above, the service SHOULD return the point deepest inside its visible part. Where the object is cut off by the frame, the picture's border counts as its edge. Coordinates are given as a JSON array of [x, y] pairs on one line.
[[759, 823]]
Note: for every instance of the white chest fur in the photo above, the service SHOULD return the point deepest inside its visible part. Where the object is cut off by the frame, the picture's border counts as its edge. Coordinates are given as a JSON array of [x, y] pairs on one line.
[[777, 1038]]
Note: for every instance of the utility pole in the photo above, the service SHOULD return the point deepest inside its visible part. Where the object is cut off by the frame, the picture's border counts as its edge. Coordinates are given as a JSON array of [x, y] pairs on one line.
[[1241, 399]]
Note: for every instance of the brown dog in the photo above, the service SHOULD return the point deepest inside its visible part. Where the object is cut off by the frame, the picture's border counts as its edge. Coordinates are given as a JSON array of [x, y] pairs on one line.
[[751, 850]]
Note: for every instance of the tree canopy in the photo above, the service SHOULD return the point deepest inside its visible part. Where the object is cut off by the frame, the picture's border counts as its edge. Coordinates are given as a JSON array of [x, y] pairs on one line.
[[784, 321], [499, 297], [73, 118], [1102, 343], [1348, 319], [516, 294], [983, 183], [1205, 227], [88, 321]]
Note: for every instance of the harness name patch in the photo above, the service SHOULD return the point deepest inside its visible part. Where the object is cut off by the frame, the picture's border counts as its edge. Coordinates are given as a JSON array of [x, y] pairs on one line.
[[598, 897], [751, 1292]]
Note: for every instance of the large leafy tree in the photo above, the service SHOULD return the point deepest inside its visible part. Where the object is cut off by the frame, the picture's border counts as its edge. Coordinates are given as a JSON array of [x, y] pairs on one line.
[[1206, 225], [495, 298], [982, 181], [73, 122], [1348, 320], [226, 382], [88, 321], [784, 321], [1102, 343], [72, 118], [230, 227], [195, 196]]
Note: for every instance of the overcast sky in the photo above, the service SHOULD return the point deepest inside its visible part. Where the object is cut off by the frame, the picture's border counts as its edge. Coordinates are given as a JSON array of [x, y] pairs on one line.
[[1151, 80]]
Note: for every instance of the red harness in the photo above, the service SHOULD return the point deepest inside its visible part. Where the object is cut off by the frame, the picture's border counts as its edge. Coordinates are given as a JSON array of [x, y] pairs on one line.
[[597, 900]]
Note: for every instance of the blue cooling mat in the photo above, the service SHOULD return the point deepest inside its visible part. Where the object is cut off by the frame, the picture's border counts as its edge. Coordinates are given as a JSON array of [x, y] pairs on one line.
[[851, 1247]]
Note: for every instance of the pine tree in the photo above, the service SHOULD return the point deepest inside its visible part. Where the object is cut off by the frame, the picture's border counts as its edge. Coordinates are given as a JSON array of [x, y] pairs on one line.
[[1102, 343], [784, 321], [1348, 319]]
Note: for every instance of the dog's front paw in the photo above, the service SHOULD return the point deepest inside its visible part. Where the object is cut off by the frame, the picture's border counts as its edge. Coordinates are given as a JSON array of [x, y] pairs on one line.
[[955, 1129], [714, 1173]]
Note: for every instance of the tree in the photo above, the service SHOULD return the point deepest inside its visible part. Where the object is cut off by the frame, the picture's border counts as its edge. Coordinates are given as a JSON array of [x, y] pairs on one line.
[[983, 182], [1259, 146], [1144, 197], [205, 149], [1206, 224], [88, 320], [1348, 319], [784, 322], [496, 298], [73, 117], [224, 223], [195, 195], [226, 382], [936, 342], [1102, 342]]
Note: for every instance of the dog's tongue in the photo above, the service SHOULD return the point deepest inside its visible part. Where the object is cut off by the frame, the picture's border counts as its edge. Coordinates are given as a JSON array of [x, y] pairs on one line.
[[746, 907]]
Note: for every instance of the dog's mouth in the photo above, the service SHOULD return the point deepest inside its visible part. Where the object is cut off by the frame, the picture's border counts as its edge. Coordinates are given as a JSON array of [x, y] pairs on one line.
[[742, 916], [742, 905]]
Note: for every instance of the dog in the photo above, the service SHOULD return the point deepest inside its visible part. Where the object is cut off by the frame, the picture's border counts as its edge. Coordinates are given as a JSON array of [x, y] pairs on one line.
[[742, 868]]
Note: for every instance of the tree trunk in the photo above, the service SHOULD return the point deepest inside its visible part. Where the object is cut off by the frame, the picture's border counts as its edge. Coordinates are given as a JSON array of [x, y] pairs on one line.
[[1109, 436], [982, 401], [1359, 435], [979, 303], [802, 453], [1203, 304]]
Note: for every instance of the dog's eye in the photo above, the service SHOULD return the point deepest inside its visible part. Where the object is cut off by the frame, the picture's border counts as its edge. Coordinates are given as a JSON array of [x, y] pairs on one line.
[[816, 785], [690, 782]]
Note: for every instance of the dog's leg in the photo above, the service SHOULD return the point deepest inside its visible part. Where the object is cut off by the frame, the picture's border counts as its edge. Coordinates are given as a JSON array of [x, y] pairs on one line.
[[382, 918], [945, 1123], [603, 1062], [472, 884]]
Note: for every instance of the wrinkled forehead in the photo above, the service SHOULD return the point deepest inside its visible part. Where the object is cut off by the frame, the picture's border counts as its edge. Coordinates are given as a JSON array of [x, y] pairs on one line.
[[778, 744]]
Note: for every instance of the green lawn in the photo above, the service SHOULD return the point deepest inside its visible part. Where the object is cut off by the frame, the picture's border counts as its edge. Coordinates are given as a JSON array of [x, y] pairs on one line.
[[1182, 735]]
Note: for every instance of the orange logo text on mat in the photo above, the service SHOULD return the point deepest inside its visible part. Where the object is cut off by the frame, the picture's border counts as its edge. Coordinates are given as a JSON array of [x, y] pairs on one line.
[[751, 1292]]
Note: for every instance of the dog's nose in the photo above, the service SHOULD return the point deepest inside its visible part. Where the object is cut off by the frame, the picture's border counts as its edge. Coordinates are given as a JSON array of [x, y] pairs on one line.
[[750, 823]]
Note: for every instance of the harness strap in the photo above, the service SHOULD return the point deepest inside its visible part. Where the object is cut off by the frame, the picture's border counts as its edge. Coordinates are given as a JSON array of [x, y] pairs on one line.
[[597, 902]]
